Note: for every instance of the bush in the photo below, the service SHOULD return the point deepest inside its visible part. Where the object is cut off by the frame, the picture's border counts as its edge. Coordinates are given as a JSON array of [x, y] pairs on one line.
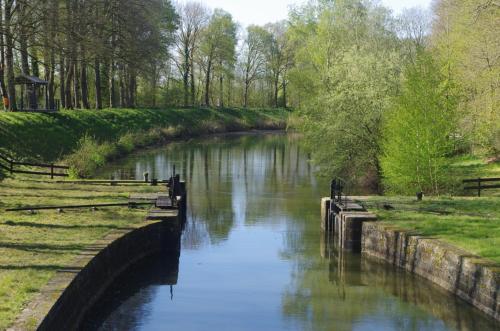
[[419, 131], [89, 156]]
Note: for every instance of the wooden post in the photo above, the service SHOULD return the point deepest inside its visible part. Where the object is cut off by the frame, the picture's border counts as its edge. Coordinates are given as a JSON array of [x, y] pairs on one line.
[[52, 171], [47, 106], [479, 187], [22, 97]]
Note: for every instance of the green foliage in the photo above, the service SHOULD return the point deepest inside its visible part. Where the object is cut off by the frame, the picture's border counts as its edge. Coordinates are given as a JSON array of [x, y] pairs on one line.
[[347, 68], [465, 37], [90, 156], [419, 131]]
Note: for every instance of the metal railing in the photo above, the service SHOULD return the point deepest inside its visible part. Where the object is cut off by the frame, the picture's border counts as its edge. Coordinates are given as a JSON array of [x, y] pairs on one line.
[[338, 187]]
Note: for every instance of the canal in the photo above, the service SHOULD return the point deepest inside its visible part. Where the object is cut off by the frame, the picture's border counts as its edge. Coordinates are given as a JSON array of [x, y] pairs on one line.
[[253, 255]]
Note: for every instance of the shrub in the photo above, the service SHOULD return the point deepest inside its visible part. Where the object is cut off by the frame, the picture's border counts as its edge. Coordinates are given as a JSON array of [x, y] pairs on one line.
[[419, 131]]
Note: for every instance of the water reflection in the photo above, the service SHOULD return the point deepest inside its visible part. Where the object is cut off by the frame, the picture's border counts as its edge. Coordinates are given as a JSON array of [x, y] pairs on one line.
[[250, 255], [124, 304]]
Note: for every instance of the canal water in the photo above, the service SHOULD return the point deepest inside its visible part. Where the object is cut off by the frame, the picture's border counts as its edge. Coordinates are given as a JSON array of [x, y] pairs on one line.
[[254, 258]]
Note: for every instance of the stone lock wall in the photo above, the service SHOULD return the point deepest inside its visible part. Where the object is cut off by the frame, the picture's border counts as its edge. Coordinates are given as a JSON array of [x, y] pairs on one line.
[[471, 278], [346, 226], [64, 301]]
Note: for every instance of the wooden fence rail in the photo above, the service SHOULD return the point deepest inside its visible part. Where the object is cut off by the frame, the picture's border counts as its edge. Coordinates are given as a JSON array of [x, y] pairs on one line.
[[13, 167], [494, 183]]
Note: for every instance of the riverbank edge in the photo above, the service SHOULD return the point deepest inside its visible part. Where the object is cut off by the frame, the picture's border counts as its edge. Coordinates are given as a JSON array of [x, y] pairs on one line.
[[82, 166], [37, 137], [473, 279], [64, 301]]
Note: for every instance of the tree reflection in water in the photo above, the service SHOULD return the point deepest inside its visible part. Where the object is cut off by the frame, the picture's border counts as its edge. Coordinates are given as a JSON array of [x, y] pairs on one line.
[[250, 250]]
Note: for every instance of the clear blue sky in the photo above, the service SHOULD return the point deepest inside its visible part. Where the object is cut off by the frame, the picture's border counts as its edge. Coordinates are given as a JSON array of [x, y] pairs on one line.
[[264, 11]]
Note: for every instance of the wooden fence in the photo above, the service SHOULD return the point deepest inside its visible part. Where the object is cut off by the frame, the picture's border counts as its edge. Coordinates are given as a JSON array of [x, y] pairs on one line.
[[491, 183], [14, 167]]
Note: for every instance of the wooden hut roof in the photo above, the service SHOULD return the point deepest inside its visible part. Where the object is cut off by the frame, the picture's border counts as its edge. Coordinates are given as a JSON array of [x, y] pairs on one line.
[[25, 79]]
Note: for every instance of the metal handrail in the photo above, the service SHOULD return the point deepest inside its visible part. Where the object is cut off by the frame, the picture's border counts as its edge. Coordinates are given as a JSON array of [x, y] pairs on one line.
[[337, 191]]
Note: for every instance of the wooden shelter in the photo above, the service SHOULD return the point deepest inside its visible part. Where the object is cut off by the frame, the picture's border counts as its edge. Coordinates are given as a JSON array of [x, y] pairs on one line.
[[34, 95]]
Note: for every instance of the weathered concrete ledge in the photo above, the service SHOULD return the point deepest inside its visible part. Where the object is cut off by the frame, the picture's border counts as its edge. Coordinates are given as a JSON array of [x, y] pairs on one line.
[[471, 278], [64, 301], [345, 222]]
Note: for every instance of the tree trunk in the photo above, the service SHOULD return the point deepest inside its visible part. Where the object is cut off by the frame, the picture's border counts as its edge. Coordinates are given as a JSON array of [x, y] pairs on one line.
[[112, 96], [54, 8], [9, 56], [185, 76], [122, 87], [25, 66], [229, 94], [207, 83], [3, 88], [98, 94], [35, 70], [276, 90], [62, 84], [193, 88], [221, 91], [247, 86], [69, 79], [284, 92], [132, 88], [51, 86], [76, 86], [84, 82]]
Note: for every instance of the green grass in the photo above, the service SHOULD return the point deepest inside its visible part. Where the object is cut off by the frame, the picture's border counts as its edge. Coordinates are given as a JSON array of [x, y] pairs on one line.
[[33, 247], [469, 223], [49, 137], [468, 166]]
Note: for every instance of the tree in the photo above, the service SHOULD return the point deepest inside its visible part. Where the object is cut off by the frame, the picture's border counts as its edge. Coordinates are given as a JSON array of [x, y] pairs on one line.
[[419, 131], [278, 60], [347, 66], [9, 54], [414, 26], [193, 17], [465, 40], [254, 57], [218, 50]]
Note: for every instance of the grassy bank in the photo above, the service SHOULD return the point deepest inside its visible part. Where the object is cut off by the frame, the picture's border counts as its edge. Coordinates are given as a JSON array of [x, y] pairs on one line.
[[33, 247], [469, 223], [49, 137]]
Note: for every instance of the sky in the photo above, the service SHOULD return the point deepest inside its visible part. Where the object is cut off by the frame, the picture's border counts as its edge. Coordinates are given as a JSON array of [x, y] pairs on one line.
[[260, 12]]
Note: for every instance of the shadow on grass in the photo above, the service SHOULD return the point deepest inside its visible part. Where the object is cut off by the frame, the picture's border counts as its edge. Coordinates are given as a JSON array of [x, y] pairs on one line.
[[42, 267], [69, 227], [43, 248]]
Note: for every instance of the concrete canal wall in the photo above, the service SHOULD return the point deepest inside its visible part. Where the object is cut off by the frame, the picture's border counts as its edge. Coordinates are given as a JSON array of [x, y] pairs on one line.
[[471, 278], [63, 303]]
